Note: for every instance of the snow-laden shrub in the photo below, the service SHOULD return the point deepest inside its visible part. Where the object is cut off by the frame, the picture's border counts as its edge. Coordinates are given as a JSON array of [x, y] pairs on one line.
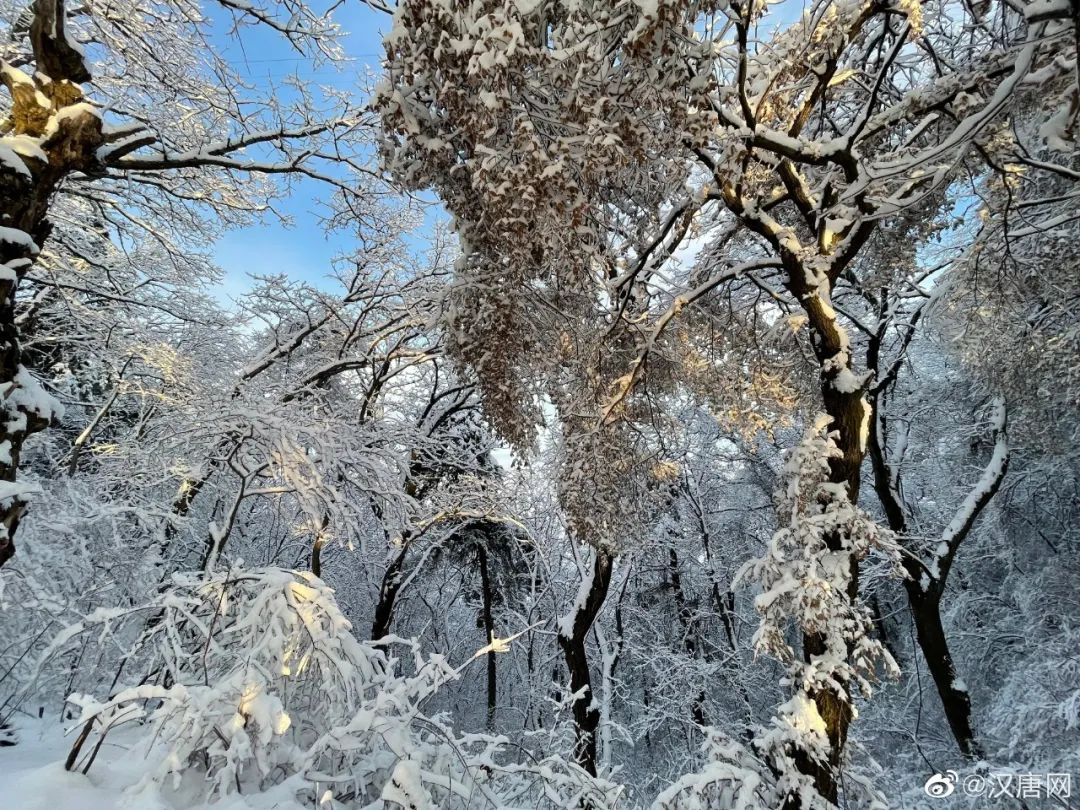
[[731, 779], [79, 557], [252, 681], [224, 655]]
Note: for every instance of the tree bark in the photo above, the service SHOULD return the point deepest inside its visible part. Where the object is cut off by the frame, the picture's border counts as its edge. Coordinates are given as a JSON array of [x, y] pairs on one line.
[[690, 629], [391, 584], [70, 143], [955, 700], [316, 556], [489, 630], [317, 545], [848, 410], [572, 640]]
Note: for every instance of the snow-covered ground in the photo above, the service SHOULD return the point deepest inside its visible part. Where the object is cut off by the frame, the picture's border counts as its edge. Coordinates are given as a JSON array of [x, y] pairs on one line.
[[32, 777]]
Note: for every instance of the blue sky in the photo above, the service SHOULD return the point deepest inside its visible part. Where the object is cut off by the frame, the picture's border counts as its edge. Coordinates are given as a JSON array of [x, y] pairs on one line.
[[302, 251]]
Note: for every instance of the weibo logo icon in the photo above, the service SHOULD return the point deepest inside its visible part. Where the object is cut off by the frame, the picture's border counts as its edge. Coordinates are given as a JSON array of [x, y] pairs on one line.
[[941, 785]]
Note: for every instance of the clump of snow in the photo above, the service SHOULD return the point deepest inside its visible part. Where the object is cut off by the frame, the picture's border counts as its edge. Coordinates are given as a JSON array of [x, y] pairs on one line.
[[10, 159], [13, 236], [25, 396], [20, 491]]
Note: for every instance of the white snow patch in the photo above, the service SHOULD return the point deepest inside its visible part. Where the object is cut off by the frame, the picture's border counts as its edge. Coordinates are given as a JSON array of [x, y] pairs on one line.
[[13, 236]]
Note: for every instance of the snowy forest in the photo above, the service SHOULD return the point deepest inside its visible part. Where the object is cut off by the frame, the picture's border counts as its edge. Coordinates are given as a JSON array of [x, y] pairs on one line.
[[678, 408]]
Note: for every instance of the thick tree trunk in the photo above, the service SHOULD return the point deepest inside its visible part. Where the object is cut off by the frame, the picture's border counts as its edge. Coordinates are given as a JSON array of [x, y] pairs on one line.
[[850, 414], [837, 714], [572, 640], [25, 193]]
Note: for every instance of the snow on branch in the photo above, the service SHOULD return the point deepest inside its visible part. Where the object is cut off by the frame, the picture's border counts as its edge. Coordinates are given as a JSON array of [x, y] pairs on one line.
[[972, 506]]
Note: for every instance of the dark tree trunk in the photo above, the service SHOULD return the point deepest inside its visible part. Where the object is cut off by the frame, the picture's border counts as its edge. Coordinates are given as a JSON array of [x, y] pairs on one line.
[[878, 617], [837, 714], [955, 700], [489, 630], [586, 716], [316, 557], [319, 542], [388, 592], [924, 599], [689, 625]]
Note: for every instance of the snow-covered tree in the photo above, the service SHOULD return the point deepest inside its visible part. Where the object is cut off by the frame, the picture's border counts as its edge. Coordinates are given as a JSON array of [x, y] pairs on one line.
[[794, 144], [157, 148]]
